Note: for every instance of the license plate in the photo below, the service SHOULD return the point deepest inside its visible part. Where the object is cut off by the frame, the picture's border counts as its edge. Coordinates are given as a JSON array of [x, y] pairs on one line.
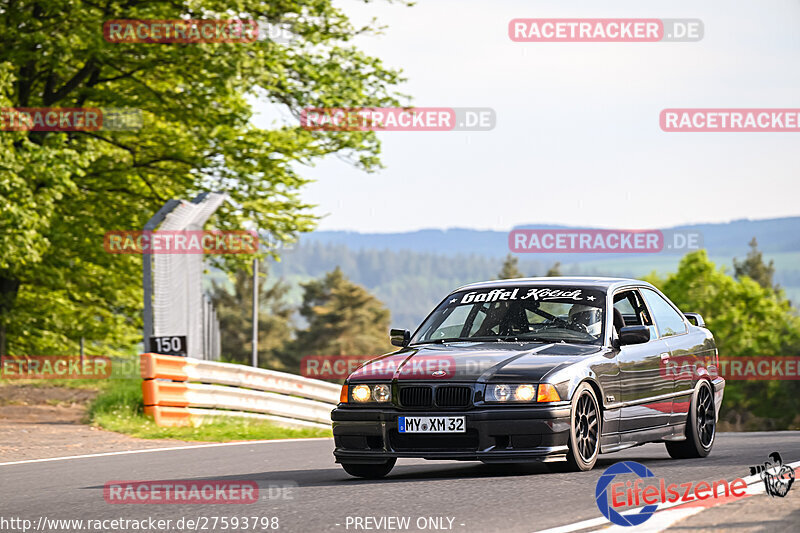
[[431, 424]]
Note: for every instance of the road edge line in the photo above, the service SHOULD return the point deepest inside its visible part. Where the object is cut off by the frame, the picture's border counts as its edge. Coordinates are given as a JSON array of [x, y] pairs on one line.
[[150, 450]]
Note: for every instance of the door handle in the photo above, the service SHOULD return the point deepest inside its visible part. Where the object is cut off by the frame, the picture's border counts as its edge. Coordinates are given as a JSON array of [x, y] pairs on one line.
[[665, 356]]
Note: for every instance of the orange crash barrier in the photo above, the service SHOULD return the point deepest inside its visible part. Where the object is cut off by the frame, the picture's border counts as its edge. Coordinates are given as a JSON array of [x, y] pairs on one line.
[[164, 393], [153, 365], [169, 416], [181, 391], [164, 400]]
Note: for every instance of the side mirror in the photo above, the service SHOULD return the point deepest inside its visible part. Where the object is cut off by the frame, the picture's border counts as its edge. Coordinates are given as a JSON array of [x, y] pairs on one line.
[[695, 319], [634, 335], [400, 337]]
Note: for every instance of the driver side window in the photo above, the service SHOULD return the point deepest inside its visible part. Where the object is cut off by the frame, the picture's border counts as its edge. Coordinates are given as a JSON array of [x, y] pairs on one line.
[[452, 325]]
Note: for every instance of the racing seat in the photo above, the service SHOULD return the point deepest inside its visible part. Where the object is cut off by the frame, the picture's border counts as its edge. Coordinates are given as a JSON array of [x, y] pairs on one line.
[[619, 322]]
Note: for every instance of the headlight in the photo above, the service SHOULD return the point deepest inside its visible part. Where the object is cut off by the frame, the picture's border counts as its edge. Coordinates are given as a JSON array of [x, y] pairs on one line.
[[380, 393], [502, 393], [525, 393], [361, 393], [511, 393]]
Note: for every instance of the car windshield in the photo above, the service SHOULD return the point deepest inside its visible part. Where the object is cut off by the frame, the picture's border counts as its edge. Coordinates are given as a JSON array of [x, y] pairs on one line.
[[540, 313]]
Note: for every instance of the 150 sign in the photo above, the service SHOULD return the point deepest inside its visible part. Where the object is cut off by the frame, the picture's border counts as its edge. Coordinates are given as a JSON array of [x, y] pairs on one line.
[[169, 345]]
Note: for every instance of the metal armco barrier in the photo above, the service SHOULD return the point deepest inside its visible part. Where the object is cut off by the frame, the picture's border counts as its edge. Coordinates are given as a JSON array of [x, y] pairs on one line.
[[197, 391]]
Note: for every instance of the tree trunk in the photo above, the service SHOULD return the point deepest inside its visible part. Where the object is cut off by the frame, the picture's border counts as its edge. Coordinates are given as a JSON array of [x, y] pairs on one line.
[[8, 293], [2, 339]]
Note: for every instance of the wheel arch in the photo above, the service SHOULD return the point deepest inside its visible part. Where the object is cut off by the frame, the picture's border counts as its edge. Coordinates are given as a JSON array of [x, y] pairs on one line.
[[598, 391]]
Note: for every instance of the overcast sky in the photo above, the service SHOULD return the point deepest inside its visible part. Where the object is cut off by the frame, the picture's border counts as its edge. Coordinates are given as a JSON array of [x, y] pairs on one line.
[[577, 139]]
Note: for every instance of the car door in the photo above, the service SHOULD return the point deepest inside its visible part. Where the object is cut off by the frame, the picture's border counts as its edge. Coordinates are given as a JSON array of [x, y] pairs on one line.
[[673, 328], [644, 387]]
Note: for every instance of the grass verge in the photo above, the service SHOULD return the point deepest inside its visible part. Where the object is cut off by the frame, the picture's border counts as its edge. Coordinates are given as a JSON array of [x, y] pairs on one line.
[[88, 384], [120, 408]]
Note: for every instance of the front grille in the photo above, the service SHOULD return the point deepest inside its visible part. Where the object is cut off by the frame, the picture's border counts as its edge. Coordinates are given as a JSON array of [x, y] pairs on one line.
[[450, 396], [416, 396], [446, 441]]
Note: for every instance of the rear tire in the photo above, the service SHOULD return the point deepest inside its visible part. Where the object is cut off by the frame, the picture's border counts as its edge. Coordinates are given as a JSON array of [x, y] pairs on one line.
[[369, 470], [701, 426], [584, 433]]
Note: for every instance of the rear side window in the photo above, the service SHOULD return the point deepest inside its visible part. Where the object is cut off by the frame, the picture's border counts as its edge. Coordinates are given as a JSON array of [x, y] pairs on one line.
[[668, 320]]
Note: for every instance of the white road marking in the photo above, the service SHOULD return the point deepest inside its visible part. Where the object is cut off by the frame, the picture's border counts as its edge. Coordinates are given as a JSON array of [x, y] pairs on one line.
[[577, 526], [659, 521], [150, 450]]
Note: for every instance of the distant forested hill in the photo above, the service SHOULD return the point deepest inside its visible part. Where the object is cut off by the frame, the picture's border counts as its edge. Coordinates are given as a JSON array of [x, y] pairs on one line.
[[731, 238], [411, 272]]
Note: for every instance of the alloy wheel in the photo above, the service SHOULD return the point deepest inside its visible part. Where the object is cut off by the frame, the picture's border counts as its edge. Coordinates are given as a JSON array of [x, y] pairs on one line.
[[706, 420], [586, 427]]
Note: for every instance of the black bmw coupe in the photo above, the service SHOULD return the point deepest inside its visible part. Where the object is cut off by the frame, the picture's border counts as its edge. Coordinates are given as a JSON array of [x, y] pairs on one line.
[[538, 369]]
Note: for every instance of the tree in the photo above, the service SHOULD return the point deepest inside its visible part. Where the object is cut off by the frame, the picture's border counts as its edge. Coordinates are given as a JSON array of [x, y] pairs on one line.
[[510, 268], [755, 268], [747, 320], [554, 271], [234, 304], [61, 191], [343, 319]]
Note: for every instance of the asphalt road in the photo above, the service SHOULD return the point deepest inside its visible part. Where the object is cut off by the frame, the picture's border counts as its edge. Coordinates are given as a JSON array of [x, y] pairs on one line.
[[477, 497]]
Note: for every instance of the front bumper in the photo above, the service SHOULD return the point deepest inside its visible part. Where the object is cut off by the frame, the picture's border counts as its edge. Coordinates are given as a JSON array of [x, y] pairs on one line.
[[493, 434]]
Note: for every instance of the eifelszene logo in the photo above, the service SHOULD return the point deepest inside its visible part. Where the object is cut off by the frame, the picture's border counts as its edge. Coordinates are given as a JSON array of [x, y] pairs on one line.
[[649, 491], [607, 507]]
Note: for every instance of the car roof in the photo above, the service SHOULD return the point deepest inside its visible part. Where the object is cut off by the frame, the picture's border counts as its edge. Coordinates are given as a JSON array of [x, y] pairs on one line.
[[601, 283]]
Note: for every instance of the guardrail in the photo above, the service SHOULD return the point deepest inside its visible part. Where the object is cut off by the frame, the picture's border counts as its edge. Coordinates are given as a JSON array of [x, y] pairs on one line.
[[180, 391]]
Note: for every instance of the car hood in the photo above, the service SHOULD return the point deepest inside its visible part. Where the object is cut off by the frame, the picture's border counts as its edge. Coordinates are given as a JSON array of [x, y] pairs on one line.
[[473, 362]]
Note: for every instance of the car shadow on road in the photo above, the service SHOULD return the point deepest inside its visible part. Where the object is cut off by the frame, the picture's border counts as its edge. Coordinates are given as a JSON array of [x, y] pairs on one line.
[[405, 473], [402, 473], [335, 476]]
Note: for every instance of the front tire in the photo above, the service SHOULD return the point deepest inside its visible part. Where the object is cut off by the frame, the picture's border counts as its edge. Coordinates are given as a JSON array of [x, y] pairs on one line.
[[584, 433], [369, 470], [701, 426]]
